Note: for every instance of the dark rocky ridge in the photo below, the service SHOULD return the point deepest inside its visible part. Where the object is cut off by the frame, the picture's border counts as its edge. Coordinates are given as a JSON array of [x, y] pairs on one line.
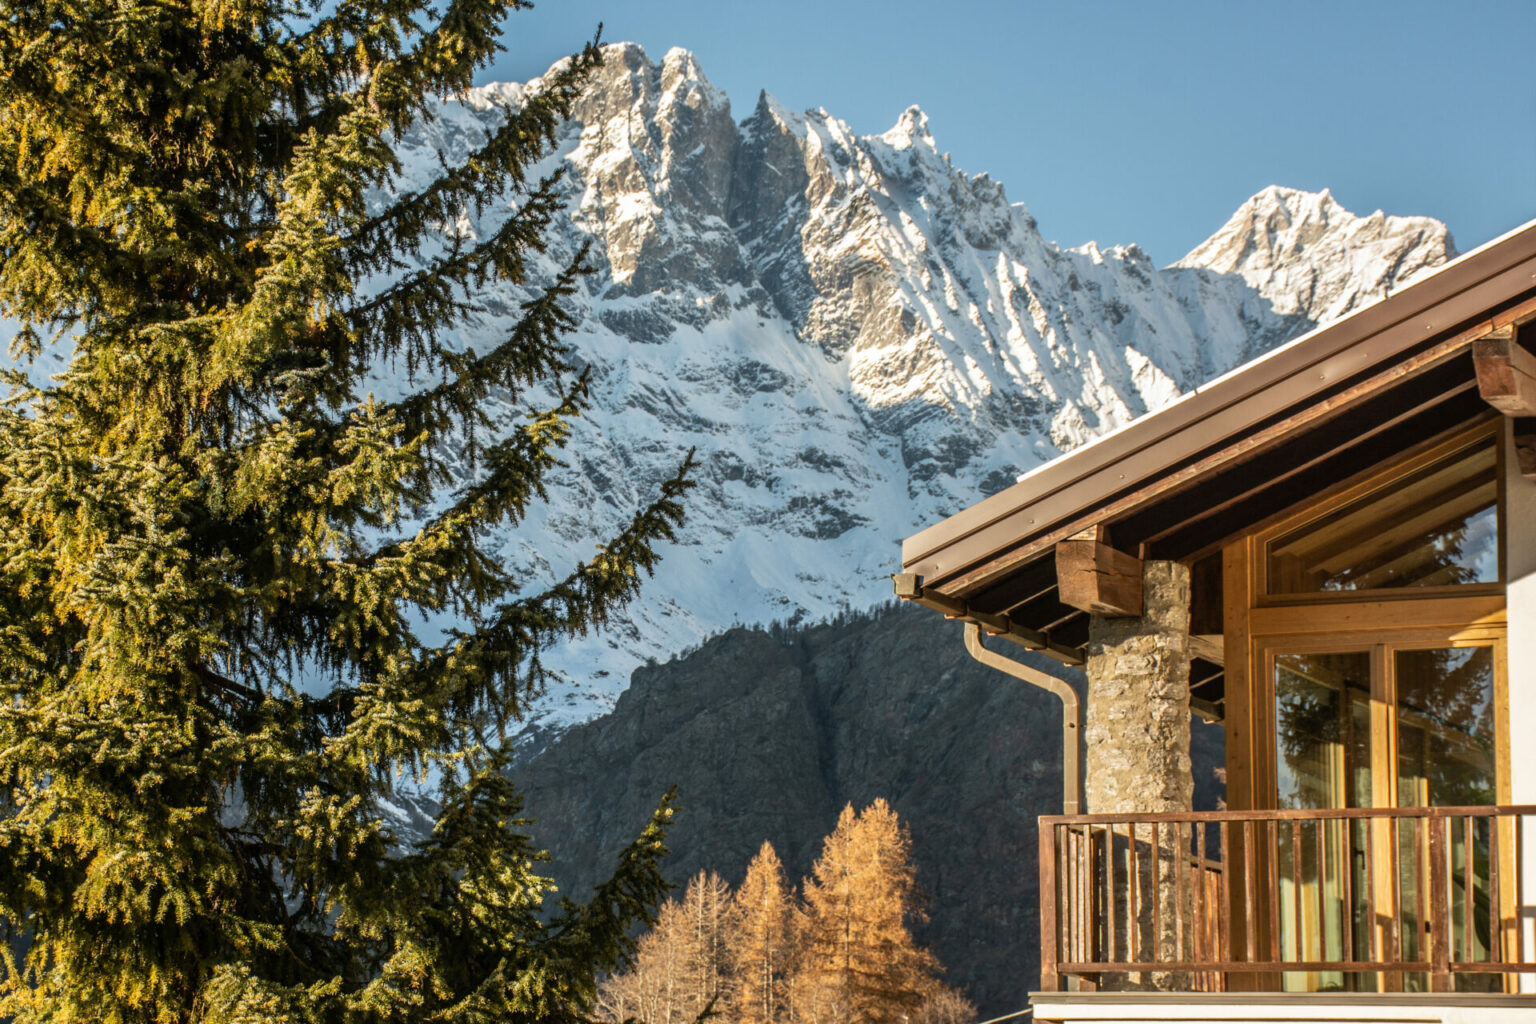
[[769, 736]]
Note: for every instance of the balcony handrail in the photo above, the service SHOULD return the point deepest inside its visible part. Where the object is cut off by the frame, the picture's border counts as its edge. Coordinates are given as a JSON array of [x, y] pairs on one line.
[[1397, 891], [1292, 814]]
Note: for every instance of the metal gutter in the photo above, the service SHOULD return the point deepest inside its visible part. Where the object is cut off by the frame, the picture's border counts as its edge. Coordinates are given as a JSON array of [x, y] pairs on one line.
[[1071, 715], [1226, 407]]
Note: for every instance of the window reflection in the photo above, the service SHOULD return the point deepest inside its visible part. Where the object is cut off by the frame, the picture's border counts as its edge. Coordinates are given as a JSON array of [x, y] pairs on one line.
[[1323, 729], [1437, 526], [1445, 758], [1445, 754]]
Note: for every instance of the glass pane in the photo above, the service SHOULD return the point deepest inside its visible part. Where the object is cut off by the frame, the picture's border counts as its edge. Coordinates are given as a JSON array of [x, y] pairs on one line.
[[1323, 729], [1434, 527], [1445, 752], [1445, 758], [1322, 760]]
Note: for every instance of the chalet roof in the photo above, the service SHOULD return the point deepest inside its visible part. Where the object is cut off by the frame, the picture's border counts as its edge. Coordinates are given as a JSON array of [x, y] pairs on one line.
[[1178, 482]]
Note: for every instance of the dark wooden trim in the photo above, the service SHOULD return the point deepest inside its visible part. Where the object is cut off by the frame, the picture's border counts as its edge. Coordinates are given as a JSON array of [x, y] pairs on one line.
[[909, 587], [1457, 412]]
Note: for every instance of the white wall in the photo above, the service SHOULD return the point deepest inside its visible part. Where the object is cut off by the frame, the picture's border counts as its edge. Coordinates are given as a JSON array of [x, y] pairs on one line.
[[1520, 550]]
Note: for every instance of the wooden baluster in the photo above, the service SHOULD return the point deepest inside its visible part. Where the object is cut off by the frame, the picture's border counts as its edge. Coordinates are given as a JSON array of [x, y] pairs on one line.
[[1394, 853], [1224, 918], [1272, 860], [1250, 893], [1468, 885], [1346, 870], [1050, 935], [1197, 877], [1133, 897], [1373, 928], [1075, 900], [1180, 871], [1296, 931], [1439, 932], [1421, 897], [1495, 897], [1109, 892], [1322, 906], [1085, 883]]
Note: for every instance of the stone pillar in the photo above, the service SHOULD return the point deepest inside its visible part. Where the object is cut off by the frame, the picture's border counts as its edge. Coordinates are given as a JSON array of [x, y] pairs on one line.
[[1138, 754], [1138, 701]]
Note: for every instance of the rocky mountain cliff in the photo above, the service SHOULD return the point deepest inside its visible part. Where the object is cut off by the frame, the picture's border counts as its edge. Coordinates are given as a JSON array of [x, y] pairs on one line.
[[769, 736], [857, 337]]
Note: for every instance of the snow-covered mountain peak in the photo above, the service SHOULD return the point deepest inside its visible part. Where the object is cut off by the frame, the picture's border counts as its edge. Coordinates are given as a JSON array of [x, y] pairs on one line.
[[856, 336], [910, 129], [1307, 254]]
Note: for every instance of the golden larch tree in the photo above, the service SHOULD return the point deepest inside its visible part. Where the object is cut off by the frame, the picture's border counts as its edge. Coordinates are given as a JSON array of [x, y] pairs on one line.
[[761, 941], [680, 967], [858, 961]]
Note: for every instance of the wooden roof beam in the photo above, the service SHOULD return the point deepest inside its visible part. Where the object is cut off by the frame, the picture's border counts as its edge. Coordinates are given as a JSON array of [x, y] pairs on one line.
[[1506, 372], [1093, 577]]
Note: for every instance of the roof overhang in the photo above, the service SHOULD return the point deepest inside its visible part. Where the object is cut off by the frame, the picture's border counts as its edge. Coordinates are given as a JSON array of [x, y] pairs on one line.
[[1177, 482]]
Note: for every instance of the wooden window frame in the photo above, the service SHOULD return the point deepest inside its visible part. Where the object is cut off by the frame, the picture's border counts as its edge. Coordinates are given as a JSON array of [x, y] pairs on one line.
[[1359, 487]]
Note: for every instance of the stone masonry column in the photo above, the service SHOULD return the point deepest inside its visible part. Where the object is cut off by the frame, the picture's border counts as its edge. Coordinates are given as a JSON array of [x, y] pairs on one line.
[[1138, 750]]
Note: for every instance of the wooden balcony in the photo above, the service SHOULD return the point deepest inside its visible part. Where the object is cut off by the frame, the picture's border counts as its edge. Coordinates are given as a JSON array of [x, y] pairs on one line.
[[1384, 900]]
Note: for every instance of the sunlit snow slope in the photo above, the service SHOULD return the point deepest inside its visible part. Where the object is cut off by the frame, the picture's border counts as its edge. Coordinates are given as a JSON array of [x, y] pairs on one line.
[[857, 337]]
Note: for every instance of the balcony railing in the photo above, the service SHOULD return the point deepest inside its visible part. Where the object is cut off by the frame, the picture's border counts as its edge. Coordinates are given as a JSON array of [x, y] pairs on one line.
[[1390, 899]]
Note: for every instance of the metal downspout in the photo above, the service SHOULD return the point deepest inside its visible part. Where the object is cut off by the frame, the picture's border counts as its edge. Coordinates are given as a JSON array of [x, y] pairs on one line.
[[1071, 752]]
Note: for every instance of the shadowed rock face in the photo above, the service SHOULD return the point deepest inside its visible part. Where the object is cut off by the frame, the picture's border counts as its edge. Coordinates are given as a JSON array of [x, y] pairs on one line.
[[768, 737]]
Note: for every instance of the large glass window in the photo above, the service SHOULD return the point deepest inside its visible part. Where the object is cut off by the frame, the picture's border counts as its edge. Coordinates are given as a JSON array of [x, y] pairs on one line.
[[1411, 725], [1435, 526]]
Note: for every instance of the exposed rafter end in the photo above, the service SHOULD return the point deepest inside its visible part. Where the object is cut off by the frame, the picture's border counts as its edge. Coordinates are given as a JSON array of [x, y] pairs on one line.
[[1506, 371], [909, 587], [1525, 447], [1209, 646], [1093, 577]]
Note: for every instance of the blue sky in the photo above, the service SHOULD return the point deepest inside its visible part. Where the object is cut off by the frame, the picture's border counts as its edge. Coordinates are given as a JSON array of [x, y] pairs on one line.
[[1136, 122]]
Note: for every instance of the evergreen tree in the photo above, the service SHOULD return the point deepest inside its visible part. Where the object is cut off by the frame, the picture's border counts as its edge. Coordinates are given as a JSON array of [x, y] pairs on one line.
[[216, 548], [857, 962], [761, 941]]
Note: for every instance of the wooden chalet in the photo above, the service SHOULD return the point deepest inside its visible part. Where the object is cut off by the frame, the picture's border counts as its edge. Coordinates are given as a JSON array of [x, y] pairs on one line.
[[1330, 551]]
